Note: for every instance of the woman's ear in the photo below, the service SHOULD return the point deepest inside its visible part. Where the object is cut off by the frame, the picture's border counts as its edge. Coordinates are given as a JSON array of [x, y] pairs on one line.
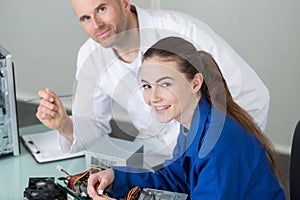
[[197, 82]]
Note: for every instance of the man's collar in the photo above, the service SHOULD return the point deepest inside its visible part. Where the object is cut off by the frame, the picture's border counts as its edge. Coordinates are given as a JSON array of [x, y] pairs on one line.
[[146, 28]]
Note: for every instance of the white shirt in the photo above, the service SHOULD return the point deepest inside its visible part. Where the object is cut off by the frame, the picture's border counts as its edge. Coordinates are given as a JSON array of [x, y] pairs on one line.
[[103, 80]]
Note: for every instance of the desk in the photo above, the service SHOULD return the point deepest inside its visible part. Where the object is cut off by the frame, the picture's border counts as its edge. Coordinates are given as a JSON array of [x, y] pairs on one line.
[[16, 170]]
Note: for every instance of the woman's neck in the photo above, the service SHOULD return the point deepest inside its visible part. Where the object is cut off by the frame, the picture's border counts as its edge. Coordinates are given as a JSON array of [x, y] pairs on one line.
[[187, 115]]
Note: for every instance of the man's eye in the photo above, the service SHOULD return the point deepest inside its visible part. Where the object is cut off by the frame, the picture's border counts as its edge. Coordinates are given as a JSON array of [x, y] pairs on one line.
[[101, 9], [146, 86], [84, 18]]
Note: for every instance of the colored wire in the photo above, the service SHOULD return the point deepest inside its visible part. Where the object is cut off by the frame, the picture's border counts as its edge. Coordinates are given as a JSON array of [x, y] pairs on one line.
[[78, 179], [133, 194]]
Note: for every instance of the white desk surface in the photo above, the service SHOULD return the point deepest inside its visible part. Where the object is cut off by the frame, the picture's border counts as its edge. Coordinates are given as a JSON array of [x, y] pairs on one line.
[[16, 170]]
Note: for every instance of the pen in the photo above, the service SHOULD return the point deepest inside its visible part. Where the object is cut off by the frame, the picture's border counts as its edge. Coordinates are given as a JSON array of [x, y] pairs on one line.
[[27, 100], [34, 146]]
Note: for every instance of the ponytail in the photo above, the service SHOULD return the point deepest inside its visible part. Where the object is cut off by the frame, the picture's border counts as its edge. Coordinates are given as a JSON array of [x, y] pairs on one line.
[[214, 87]]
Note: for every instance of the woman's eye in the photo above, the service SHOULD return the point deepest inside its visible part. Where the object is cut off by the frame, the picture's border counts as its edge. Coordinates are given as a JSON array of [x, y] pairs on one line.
[[146, 86], [165, 84]]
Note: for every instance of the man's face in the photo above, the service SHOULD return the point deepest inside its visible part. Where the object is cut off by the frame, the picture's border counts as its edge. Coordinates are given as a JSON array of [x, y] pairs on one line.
[[103, 19]]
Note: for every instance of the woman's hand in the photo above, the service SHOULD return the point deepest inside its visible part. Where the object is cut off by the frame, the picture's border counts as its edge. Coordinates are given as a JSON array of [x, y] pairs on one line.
[[98, 182], [102, 197]]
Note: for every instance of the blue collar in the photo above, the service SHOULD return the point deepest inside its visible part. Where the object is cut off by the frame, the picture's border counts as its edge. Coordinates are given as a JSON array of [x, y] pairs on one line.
[[198, 122], [206, 128]]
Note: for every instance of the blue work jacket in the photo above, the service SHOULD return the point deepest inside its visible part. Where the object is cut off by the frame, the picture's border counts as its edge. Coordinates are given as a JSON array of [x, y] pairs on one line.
[[216, 159]]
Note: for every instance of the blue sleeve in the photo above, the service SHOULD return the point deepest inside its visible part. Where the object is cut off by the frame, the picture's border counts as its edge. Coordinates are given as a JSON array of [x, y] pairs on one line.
[[232, 179], [170, 178], [264, 184]]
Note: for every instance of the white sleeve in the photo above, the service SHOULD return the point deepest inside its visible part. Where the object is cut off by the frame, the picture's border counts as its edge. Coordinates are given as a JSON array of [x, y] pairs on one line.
[[64, 144], [89, 124], [245, 86]]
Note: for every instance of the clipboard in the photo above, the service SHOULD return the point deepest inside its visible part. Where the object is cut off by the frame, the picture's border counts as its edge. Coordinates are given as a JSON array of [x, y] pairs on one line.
[[44, 147]]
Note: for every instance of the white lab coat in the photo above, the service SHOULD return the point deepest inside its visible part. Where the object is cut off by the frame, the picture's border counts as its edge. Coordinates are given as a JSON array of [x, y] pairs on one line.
[[103, 80]]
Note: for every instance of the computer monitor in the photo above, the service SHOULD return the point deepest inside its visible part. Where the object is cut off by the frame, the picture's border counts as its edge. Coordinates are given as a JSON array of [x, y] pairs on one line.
[[9, 132]]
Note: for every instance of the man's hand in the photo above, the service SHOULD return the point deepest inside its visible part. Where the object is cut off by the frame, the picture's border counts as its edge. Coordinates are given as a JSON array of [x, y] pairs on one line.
[[52, 113]]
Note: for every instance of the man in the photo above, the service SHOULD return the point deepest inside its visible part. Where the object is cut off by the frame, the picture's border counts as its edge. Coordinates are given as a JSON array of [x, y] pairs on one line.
[[107, 70]]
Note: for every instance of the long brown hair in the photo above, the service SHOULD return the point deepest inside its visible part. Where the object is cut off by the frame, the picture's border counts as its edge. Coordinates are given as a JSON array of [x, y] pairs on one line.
[[214, 86]]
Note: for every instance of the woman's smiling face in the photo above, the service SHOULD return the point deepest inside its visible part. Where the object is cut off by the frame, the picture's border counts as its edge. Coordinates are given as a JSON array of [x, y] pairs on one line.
[[167, 90]]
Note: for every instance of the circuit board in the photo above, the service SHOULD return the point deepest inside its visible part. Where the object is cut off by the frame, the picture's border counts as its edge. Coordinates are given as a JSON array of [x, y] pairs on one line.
[[9, 142], [153, 194]]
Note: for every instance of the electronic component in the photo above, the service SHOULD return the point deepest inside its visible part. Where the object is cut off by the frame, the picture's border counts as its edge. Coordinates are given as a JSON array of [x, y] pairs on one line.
[[75, 188], [153, 194], [68, 194], [110, 151], [137, 193], [75, 185], [42, 188], [100, 192], [9, 141]]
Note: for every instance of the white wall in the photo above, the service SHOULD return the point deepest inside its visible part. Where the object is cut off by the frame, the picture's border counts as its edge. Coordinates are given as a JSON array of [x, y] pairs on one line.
[[44, 37], [267, 35]]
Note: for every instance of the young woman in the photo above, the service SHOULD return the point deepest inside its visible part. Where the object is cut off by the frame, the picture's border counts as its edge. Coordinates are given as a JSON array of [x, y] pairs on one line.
[[220, 154]]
